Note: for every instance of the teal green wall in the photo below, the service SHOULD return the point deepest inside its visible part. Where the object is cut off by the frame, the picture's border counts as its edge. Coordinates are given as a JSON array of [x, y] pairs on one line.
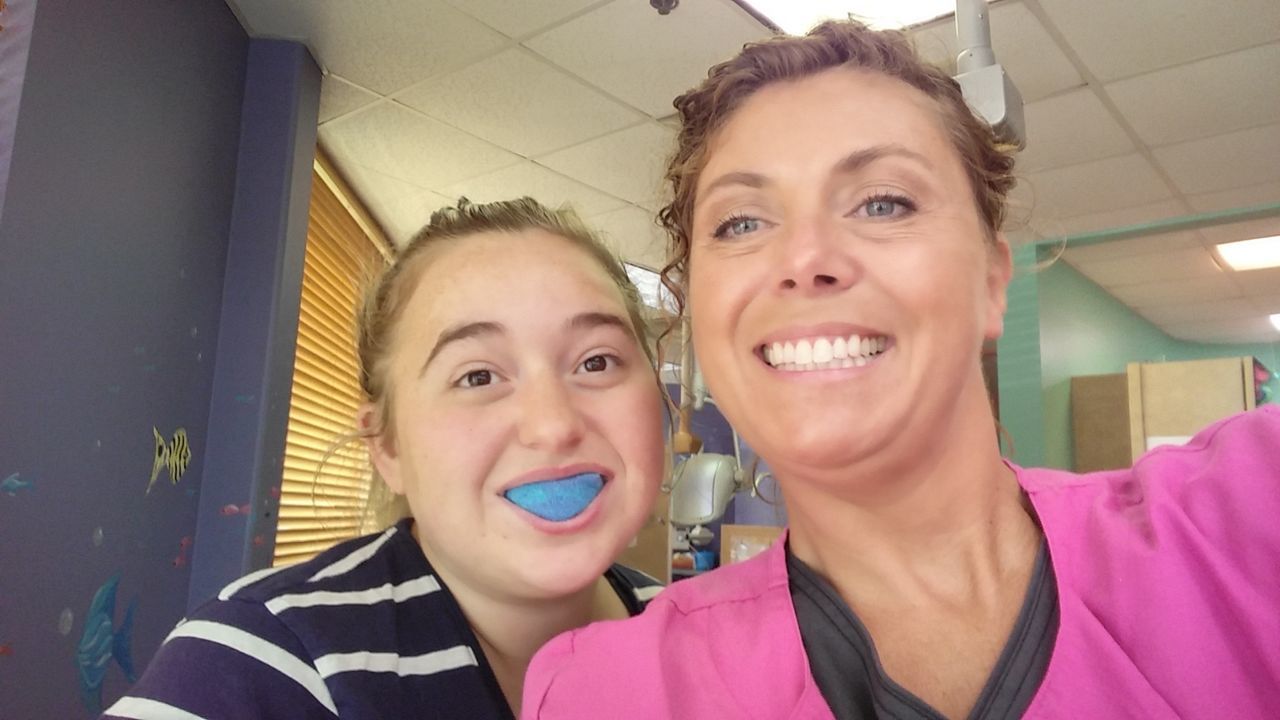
[[1018, 364], [1085, 331]]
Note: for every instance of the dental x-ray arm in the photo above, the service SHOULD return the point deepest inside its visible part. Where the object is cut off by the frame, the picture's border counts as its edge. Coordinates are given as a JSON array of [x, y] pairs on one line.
[[987, 88]]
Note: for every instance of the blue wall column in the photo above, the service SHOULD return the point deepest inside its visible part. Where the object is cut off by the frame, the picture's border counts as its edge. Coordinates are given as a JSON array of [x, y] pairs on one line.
[[253, 375]]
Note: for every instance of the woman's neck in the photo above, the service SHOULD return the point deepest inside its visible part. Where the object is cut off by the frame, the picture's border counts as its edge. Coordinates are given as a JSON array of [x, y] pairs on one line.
[[510, 630], [946, 520]]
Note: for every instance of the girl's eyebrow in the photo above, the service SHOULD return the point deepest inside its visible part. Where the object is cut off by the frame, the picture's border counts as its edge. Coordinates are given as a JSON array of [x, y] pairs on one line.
[[462, 331]]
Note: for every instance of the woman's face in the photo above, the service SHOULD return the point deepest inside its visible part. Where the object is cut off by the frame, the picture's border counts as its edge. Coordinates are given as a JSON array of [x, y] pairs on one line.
[[514, 361], [841, 282]]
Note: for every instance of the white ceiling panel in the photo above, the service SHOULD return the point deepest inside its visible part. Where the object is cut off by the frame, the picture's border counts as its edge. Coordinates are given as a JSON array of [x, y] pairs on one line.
[[1094, 187], [1239, 159], [647, 59], [519, 102], [402, 208], [1152, 294], [1121, 38], [1230, 232], [1263, 194], [1213, 310], [1208, 97], [1037, 65], [1182, 264], [383, 48], [1071, 128], [1242, 330], [1106, 251], [1094, 222], [405, 144], [546, 186], [632, 233], [339, 97], [521, 17], [1259, 282], [628, 164]]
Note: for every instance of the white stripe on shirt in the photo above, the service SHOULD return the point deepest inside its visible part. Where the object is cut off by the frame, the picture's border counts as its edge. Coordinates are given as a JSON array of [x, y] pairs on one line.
[[645, 594], [353, 560], [255, 647], [424, 585], [137, 708], [249, 579], [428, 664]]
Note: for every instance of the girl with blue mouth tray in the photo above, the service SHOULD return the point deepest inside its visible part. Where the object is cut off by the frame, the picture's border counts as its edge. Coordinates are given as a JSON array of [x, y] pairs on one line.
[[513, 410]]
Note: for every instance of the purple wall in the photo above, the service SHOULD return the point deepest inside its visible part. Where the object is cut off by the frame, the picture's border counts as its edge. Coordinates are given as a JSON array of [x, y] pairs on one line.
[[113, 257]]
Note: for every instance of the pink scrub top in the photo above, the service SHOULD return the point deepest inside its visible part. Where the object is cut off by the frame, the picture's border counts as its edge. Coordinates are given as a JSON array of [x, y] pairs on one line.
[[1168, 579]]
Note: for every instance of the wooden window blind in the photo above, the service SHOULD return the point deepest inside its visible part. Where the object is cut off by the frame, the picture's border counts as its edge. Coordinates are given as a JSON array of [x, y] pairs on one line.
[[325, 481]]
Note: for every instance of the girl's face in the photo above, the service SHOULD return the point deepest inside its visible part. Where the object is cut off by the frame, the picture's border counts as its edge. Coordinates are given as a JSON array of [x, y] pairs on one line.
[[841, 283], [514, 361]]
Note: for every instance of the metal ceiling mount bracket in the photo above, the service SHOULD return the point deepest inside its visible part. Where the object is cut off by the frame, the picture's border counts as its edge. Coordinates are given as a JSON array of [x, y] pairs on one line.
[[987, 89]]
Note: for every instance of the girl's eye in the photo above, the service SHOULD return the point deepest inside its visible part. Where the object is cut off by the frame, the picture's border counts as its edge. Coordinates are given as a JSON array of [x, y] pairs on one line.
[[736, 227], [597, 363], [886, 206], [476, 378]]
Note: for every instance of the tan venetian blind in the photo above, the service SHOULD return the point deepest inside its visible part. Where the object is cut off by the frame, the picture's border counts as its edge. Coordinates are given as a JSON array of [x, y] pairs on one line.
[[325, 481]]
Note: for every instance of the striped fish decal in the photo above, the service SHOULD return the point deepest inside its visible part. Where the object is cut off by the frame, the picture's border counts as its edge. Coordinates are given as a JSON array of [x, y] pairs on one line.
[[175, 456]]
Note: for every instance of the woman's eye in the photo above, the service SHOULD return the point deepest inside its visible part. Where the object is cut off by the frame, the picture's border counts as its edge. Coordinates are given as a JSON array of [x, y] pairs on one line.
[[886, 207], [736, 227], [596, 363], [476, 378]]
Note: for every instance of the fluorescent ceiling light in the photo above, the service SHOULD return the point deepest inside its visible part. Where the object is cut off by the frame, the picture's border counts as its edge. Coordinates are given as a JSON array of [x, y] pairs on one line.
[[1251, 254], [796, 17], [652, 291], [1275, 320]]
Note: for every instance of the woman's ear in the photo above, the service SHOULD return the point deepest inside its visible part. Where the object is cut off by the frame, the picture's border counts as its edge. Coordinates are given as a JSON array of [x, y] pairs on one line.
[[381, 445], [999, 272]]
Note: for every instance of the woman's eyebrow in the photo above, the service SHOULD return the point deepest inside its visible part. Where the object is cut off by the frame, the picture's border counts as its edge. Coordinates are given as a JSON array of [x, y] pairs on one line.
[[462, 331], [850, 163]]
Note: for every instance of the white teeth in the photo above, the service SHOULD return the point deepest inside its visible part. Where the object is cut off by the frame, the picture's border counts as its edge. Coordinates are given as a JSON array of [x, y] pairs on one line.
[[804, 352], [838, 349], [822, 350], [823, 353]]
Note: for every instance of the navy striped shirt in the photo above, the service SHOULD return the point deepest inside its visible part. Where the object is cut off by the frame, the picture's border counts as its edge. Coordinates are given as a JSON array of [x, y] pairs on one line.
[[364, 630]]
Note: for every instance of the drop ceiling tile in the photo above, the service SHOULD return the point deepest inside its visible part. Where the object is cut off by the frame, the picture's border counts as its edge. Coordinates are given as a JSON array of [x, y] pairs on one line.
[[1071, 128], [1184, 264], [383, 48], [1121, 38], [339, 97], [1106, 251], [1037, 65], [1264, 194], [546, 186], [1095, 187], [1201, 312], [628, 164], [1238, 159], [520, 18], [400, 207], [518, 101], [1231, 232], [632, 233], [1242, 330], [643, 58], [1258, 282], [1145, 295], [1208, 97], [1267, 304], [1095, 222], [404, 144]]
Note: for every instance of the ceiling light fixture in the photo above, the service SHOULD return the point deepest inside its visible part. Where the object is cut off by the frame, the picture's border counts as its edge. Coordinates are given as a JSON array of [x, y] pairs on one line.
[[1251, 254], [1275, 320], [796, 17]]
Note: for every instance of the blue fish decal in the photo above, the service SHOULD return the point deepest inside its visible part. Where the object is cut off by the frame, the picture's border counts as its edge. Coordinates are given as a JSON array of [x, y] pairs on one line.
[[13, 484], [102, 642]]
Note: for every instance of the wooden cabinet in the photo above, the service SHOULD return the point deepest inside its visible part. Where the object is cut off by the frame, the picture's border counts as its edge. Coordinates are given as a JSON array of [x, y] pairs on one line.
[[1117, 418]]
